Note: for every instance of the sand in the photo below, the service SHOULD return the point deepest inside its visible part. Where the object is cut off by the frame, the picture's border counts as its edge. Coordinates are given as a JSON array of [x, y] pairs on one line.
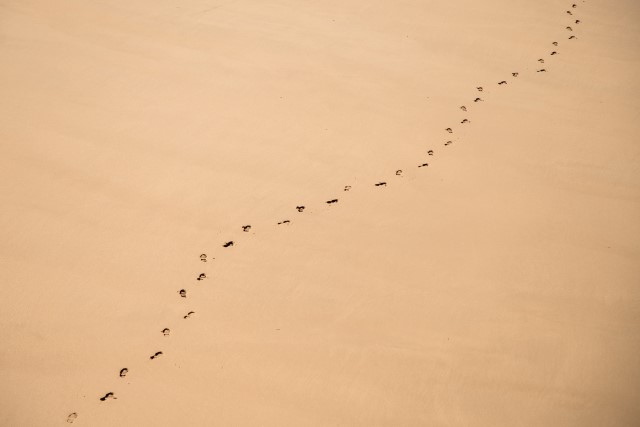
[[499, 285]]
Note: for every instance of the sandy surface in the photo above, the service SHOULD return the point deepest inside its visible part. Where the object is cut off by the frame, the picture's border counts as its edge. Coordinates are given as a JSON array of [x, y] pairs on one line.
[[500, 285]]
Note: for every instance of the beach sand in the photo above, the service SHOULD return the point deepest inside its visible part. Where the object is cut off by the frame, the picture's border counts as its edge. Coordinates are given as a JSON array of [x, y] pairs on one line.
[[497, 286]]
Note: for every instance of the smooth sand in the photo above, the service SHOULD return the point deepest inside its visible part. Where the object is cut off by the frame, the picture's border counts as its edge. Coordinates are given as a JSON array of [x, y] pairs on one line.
[[499, 286]]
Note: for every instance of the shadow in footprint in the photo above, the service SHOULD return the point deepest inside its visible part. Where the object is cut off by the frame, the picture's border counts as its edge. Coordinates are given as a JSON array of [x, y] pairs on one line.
[[228, 244], [72, 417], [183, 293], [332, 201], [107, 396], [166, 332], [423, 165], [555, 43], [399, 172], [480, 89], [504, 82], [477, 100], [381, 184], [463, 108], [156, 355], [286, 221], [123, 372], [347, 187], [449, 130], [203, 257], [300, 208], [202, 276], [541, 70], [541, 61], [569, 28], [572, 37], [246, 228], [553, 53], [465, 121], [188, 315], [448, 143], [430, 152], [514, 74]]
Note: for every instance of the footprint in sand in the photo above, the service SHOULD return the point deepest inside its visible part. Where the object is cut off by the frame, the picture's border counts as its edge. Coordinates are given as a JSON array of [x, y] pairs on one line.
[[574, 5], [480, 89], [465, 121], [381, 184], [72, 417], [286, 221], [553, 53], [228, 244], [166, 332], [504, 82], [514, 74], [423, 165], [332, 201], [399, 172], [541, 70], [183, 293], [569, 28], [555, 43], [577, 21], [448, 143], [300, 208], [107, 396], [572, 37], [123, 372], [203, 257], [156, 355], [347, 187], [188, 315], [477, 100], [449, 130], [569, 12], [463, 108], [541, 61], [430, 152], [202, 276], [246, 228]]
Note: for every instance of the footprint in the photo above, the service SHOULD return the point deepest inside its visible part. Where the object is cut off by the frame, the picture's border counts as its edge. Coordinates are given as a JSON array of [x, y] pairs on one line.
[[541, 70], [300, 208], [156, 355], [572, 37], [123, 372], [203, 257], [332, 201], [347, 187], [465, 121], [541, 61], [399, 172], [504, 82], [480, 89], [569, 12], [286, 221], [229, 243], [569, 28], [449, 130], [202, 276], [430, 152], [183, 293], [477, 100], [463, 108], [188, 315], [246, 228], [109, 395], [553, 53], [72, 417], [423, 165], [574, 5], [448, 143], [166, 332], [383, 184], [577, 21], [514, 74], [555, 43]]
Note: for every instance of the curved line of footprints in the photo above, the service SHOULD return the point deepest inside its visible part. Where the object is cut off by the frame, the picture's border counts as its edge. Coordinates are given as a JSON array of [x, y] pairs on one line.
[[123, 372]]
